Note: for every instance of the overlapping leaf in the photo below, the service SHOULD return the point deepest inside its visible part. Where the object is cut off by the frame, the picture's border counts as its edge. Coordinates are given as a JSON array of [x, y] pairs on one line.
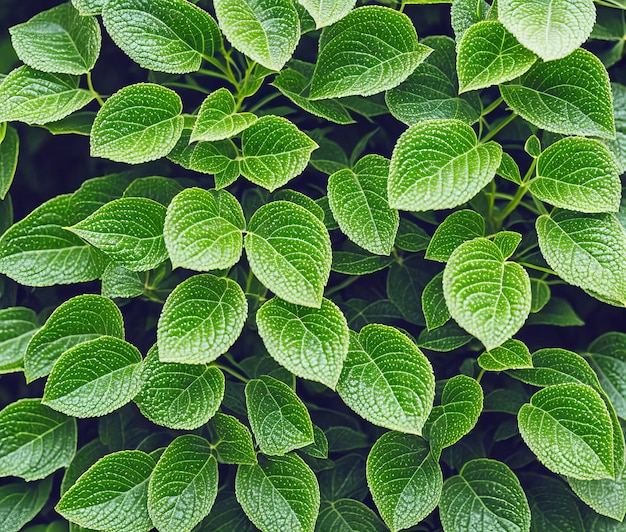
[[607, 355], [325, 12], [9, 150], [218, 119], [17, 326], [20, 502], [512, 354], [234, 444], [434, 304], [458, 227]]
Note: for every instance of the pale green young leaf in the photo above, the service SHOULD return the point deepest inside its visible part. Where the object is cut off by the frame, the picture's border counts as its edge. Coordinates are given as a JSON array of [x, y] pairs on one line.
[[586, 250], [278, 418], [20, 502], [509, 169], [300, 199], [443, 339], [552, 29], [311, 343], [157, 188], [273, 151], [348, 515], [36, 440], [151, 120], [387, 380], [9, 150], [28, 95], [487, 296], [112, 494], [431, 91], [129, 231], [411, 237], [439, 164], [489, 55], [358, 200], [569, 428], [319, 447], [507, 241], [553, 507], [183, 485], [201, 319], [327, 12], [512, 354], [234, 441], [532, 146], [404, 478], [485, 495], [606, 496], [370, 50], [280, 493], [434, 305], [118, 281], [97, 192], [457, 228], [17, 326], [570, 96], [203, 229], [76, 124], [58, 40], [89, 7], [267, 31], [541, 294], [164, 35], [94, 378], [218, 119], [578, 174], [80, 319], [461, 404], [465, 13], [289, 251], [354, 263], [179, 396], [607, 356]]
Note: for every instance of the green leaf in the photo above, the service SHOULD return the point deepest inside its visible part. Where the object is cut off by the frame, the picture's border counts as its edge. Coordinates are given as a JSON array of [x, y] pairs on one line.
[[405, 283], [358, 200], [234, 441], [507, 241], [326, 13], [557, 312], [361, 312], [112, 494], [457, 228], [152, 124], [35, 97], [551, 29], [434, 304], [218, 119], [347, 477], [164, 35], [532, 146], [446, 338], [570, 95], [465, 13], [160, 189], [509, 170], [203, 229], [431, 91], [129, 231], [118, 281], [80, 319], [89, 7], [552, 506], [311, 343], [84, 458], [569, 428], [274, 151], [252, 28], [439, 164], [351, 263], [578, 174], [370, 50], [17, 326], [179, 396], [36, 440], [512, 354], [487, 296], [404, 478], [606, 496], [227, 516], [183, 486], [76, 124], [58, 40], [278, 418], [489, 55], [461, 404], [411, 237], [348, 515], [201, 319], [387, 380], [485, 495], [94, 378], [9, 150], [319, 447], [280, 493], [20, 502], [289, 251], [586, 250], [299, 199], [541, 294], [607, 356]]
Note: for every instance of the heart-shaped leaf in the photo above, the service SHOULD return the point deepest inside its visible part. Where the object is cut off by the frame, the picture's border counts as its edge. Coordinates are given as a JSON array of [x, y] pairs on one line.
[[458, 227], [235, 441], [512, 354], [325, 12]]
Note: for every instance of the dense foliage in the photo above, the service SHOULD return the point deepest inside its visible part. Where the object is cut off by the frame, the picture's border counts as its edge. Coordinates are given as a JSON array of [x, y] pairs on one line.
[[286, 266]]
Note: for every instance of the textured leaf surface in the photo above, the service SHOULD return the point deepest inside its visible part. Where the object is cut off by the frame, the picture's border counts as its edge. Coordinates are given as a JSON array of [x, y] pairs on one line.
[[358, 200], [36, 440], [183, 486], [157, 188], [139, 123], [352, 263], [348, 515], [434, 305], [89, 7], [486, 295], [217, 118], [164, 35], [20, 502], [606, 496], [607, 355], [512, 354], [289, 252], [552, 506], [9, 151], [112, 494], [17, 326], [234, 444], [58, 40], [387, 380], [485, 495], [201, 319], [311, 343], [203, 229], [411, 237], [404, 478], [570, 95], [458, 227], [370, 50], [327, 12], [118, 281], [439, 164], [280, 493]]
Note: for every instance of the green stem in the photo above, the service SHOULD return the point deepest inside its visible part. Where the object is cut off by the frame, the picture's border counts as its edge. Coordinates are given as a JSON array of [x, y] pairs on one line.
[[93, 91], [538, 268], [512, 205], [480, 375], [492, 106], [264, 101], [499, 127], [334, 289], [230, 371]]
